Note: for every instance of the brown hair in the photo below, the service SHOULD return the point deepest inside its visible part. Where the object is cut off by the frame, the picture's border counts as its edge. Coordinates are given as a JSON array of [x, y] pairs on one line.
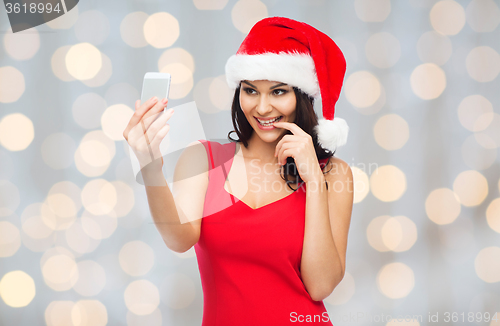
[[305, 118]]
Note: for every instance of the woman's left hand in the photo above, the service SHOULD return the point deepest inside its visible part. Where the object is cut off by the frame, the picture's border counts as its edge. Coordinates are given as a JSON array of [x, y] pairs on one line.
[[301, 147]]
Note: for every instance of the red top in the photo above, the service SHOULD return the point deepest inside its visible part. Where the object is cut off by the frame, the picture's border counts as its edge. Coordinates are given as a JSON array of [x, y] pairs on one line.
[[249, 259]]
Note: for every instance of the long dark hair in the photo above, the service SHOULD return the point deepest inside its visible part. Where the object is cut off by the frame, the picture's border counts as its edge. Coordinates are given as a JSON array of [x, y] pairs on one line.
[[305, 118]]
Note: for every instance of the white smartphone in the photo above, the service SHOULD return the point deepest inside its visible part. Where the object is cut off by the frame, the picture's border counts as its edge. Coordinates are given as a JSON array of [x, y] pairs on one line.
[[155, 84], [185, 126]]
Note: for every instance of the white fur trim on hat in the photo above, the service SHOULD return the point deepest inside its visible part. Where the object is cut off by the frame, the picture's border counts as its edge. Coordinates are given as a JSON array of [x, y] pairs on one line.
[[295, 69], [332, 133]]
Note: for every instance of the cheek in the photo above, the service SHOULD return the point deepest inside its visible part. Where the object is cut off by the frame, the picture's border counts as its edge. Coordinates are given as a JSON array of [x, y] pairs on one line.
[[245, 102], [288, 107]]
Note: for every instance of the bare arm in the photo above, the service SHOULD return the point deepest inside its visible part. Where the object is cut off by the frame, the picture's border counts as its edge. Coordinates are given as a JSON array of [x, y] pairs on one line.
[[177, 214], [177, 220], [328, 216], [178, 236]]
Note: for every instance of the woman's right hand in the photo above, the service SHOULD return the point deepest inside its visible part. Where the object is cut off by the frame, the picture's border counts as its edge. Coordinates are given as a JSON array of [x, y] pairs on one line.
[[144, 134]]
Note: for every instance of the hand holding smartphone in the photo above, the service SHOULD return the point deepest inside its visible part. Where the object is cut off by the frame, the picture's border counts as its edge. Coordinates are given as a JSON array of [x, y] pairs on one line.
[[148, 127], [155, 84]]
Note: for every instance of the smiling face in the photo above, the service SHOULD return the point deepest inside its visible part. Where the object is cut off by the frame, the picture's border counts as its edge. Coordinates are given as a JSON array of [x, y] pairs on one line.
[[267, 100]]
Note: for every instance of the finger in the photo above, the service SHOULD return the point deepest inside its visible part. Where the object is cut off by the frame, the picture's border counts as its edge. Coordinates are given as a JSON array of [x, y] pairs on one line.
[[157, 125], [287, 152], [150, 141], [159, 138], [140, 129], [153, 113], [281, 157], [127, 129], [138, 114], [284, 139], [160, 135], [146, 106], [296, 130], [278, 145]]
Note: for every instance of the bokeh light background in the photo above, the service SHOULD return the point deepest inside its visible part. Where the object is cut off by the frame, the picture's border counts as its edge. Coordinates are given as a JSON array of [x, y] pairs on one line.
[[77, 242]]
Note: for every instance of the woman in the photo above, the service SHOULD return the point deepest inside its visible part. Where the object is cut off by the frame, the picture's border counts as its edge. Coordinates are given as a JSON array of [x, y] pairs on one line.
[[272, 241]]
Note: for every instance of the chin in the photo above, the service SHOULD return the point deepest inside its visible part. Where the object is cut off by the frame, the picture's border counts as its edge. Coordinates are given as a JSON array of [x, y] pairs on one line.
[[270, 137]]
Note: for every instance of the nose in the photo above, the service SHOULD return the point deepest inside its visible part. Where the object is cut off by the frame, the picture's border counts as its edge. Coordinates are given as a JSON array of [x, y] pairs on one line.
[[264, 106]]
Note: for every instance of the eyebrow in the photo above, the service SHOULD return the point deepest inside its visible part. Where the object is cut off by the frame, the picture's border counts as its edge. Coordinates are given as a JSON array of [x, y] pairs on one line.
[[269, 88]]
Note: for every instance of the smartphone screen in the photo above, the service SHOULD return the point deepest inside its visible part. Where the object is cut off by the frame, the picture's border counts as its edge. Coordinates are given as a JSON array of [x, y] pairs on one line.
[[155, 84], [158, 87]]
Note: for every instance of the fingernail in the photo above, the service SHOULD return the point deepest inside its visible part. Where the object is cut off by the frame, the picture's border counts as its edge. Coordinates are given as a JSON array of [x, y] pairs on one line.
[[164, 101], [154, 99]]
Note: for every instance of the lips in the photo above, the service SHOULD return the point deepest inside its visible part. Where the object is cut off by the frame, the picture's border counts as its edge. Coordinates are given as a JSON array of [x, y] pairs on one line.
[[267, 120]]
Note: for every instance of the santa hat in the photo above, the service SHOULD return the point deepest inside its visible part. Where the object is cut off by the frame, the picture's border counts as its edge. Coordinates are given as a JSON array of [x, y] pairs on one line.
[[295, 53]]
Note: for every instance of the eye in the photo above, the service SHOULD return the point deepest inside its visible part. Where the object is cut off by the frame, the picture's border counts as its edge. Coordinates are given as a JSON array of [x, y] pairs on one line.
[[281, 90], [248, 90]]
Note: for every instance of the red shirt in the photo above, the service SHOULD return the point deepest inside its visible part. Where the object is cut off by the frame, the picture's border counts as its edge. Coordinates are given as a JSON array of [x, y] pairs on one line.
[[249, 259]]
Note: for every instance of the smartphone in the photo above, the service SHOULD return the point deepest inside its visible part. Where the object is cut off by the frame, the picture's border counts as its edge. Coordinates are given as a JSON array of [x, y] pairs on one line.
[[185, 126], [155, 84]]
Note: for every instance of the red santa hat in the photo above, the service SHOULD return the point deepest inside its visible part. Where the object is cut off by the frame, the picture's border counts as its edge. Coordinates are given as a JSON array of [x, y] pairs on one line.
[[295, 53]]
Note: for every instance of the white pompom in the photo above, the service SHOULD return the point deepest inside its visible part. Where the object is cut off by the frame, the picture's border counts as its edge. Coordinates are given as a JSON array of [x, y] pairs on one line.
[[332, 133]]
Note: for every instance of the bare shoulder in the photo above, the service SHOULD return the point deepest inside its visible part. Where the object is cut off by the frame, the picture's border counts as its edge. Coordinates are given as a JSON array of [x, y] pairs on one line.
[[339, 177], [337, 168]]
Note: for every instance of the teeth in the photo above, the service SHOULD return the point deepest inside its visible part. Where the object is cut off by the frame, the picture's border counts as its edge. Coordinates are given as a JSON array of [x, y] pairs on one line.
[[270, 123]]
